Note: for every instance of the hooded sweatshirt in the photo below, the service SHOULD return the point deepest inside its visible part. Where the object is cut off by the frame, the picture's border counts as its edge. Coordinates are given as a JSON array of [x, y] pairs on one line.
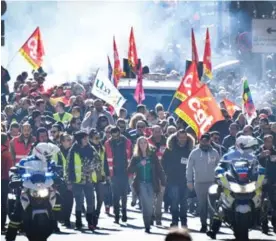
[[201, 165]]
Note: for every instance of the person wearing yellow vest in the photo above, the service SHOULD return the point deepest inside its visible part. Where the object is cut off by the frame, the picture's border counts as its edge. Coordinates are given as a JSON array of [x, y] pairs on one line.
[[95, 141], [83, 162], [61, 115], [67, 194]]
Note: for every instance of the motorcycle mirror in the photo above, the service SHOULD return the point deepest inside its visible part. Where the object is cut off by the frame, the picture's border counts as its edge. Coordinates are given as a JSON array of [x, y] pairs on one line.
[[13, 169]]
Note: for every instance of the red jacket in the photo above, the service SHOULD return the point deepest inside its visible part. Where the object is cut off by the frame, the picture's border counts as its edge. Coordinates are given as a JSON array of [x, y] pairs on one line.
[[20, 149], [6, 162], [109, 154], [162, 146]]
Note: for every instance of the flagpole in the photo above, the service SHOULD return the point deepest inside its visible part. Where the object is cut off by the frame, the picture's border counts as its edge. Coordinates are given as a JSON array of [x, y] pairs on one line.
[[11, 59], [168, 110]]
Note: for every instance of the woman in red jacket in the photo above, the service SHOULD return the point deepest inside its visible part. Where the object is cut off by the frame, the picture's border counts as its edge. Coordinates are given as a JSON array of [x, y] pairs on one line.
[[6, 164]]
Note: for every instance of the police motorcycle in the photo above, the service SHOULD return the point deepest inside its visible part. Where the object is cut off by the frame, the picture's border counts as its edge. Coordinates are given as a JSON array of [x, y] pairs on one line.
[[33, 177], [237, 197]]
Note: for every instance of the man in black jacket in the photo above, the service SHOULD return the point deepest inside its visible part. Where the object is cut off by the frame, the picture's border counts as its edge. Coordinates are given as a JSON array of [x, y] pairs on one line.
[[215, 143], [230, 140], [267, 158], [174, 161]]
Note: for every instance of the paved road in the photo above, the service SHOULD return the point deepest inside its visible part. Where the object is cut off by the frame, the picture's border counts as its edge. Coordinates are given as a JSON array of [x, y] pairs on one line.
[[133, 230]]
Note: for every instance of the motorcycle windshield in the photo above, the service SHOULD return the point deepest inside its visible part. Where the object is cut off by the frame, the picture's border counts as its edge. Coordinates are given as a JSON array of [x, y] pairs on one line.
[[35, 167], [247, 188]]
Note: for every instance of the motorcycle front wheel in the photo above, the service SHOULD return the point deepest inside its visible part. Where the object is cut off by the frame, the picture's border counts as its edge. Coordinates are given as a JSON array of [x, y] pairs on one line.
[[241, 226]]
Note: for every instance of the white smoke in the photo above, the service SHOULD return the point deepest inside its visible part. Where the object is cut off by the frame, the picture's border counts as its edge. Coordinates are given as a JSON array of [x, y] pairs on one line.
[[78, 35]]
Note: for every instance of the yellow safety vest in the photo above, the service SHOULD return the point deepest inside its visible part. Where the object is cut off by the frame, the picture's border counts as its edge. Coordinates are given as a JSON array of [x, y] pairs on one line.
[[67, 117], [78, 169], [64, 162]]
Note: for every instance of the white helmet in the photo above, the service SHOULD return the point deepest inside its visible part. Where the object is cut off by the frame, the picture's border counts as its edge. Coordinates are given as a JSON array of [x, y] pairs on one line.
[[246, 144], [45, 151]]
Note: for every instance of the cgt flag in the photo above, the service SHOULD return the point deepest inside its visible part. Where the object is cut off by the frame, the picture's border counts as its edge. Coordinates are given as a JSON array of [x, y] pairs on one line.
[[230, 107], [207, 65], [33, 50], [117, 70], [248, 106], [105, 90], [132, 52], [200, 111], [188, 86]]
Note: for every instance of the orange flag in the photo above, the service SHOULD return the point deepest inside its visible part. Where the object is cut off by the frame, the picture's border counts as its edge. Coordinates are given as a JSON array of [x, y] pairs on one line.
[[189, 84], [33, 50], [230, 107], [132, 52], [117, 70], [207, 65], [194, 48], [200, 111]]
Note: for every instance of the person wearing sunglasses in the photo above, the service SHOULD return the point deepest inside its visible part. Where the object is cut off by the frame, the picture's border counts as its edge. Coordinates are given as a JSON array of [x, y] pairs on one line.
[[84, 161], [73, 126], [66, 142], [118, 152], [95, 141]]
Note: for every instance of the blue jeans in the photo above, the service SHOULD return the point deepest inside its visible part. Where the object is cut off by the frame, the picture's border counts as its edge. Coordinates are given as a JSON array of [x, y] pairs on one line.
[[107, 195], [178, 197], [99, 188], [146, 196], [88, 190], [119, 191]]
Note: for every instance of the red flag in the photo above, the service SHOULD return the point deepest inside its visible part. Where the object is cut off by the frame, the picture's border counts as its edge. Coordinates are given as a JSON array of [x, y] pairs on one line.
[[194, 48], [200, 111], [207, 65], [189, 84], [117, 70], [230, 107], [139, 94], [132, 52], [33, 50]]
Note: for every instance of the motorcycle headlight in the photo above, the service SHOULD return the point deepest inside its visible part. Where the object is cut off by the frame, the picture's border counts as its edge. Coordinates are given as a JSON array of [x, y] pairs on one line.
[[42, 193], [248, 188]]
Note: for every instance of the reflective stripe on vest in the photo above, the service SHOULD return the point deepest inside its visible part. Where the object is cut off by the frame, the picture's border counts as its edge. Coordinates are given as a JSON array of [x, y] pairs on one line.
[[66, 117], [78, 169], [109, 155], [64, 163]]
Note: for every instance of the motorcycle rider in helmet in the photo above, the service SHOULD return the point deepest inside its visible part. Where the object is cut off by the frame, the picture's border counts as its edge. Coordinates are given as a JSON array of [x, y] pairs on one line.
[[245, 147], [43, 152]]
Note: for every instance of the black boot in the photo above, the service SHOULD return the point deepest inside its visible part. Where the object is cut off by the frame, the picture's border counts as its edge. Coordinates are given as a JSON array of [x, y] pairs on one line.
[[89, 218], [78, 220], [265, 228], [215, 226], [95, 220], [55, 226]]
